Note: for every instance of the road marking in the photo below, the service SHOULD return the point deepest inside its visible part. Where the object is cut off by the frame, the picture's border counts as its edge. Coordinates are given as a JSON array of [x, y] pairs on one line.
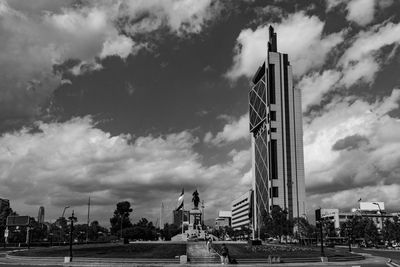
[[391, 263]]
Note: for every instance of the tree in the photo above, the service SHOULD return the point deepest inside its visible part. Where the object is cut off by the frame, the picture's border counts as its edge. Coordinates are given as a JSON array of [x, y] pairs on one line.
[[360, 227], [143, 230], [4, 213], [329, 228], [391, 230], [169, 231], [120, 219], [38, 231], [304, 228], [276, 223], [96, 231]]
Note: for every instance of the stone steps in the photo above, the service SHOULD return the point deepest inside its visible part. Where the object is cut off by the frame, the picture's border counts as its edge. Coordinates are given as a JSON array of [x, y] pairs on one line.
[[208, 259]]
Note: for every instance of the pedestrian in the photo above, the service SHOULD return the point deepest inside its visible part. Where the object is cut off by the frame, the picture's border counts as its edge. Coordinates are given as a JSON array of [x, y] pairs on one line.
[[225, 254], [209, 243]]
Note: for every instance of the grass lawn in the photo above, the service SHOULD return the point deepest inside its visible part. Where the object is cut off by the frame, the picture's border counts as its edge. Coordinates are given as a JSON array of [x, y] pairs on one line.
[[244, 251], [138, 250]]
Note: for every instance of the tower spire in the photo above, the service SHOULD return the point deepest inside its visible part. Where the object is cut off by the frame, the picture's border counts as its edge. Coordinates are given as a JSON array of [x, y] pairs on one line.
[[272, 47]]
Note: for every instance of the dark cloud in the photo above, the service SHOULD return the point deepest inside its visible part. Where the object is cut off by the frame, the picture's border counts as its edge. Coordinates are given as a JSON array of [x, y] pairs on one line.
[[350, 142]]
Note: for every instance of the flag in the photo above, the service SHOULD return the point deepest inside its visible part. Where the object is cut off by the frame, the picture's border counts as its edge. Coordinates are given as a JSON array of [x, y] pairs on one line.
[[181, 196], [180, 206], [180, 199]]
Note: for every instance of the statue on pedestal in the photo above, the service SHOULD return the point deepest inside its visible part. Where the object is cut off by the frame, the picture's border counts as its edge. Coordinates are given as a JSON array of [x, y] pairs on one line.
[[196, 199]]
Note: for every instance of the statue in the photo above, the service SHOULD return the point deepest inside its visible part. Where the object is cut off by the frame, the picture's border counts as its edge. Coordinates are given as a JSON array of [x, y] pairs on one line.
[[196, 199]]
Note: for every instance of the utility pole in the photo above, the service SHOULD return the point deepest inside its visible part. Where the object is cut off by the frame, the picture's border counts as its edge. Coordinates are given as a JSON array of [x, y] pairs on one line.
[[161, 215], [88, 221], [318, 218]]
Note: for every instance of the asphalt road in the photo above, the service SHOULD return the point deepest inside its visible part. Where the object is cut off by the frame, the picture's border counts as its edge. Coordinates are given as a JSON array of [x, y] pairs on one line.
[[394, 255]]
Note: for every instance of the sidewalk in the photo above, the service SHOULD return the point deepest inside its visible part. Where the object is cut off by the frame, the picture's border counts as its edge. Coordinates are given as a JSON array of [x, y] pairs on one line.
[[144, 262], [10, 261]]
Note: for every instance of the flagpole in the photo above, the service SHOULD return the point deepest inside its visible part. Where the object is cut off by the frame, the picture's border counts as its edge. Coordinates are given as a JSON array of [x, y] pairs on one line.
[[161, 214], [183, 212], [88, 220]]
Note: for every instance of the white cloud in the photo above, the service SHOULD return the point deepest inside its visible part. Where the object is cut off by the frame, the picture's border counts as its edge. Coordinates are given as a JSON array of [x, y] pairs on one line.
[[315, 85], [361, 11], [120, 46], [360, 61], [233, 131], [296, 34], [373, 162], [181, 17], [35, 37], [62, 163], [363, 71], [348, 198]]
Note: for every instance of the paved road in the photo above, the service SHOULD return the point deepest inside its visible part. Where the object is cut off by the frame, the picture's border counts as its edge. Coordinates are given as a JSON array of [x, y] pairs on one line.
[[394, 255], [201, 250]]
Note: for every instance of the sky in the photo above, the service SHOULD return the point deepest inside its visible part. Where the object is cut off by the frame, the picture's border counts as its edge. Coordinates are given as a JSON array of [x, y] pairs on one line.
[[136, 99]]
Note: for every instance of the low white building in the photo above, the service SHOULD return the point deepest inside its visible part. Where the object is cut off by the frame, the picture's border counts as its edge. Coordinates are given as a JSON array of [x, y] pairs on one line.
[[241, 211], [372, 210], [224, 219]]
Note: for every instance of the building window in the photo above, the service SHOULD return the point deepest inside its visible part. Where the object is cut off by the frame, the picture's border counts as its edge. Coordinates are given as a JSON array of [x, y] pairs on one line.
[[274, 160], [273, 115], [271, 85], [273, 130], [275, 191]]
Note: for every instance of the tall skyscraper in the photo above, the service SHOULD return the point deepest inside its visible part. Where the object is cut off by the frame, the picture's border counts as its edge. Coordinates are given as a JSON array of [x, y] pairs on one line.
[[41, 215], [277, 137]]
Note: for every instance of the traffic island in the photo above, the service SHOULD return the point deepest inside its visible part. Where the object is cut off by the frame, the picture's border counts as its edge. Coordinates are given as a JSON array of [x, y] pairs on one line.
[[276, 253]]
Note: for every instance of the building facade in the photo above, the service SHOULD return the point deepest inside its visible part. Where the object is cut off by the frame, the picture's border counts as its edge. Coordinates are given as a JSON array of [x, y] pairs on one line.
[[372, 210], [4, 204], [241, 211], [177, 214], [224, 219], [41, 215], [277, 137]]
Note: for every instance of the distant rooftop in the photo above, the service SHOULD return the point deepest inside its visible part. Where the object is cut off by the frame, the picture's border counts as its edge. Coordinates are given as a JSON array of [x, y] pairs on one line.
[[225, 213]]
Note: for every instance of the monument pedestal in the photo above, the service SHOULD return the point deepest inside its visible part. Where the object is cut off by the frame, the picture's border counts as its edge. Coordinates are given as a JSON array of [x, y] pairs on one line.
[[195, 230]]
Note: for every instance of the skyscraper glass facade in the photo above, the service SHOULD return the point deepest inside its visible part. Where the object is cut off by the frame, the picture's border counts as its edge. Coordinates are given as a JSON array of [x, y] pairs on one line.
[[277, 137]]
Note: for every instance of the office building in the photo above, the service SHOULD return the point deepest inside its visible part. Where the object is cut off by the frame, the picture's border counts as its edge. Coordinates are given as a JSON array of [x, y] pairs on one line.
[[41, 215], [277, 136], [224, 219], [4, 204], [241, 211]]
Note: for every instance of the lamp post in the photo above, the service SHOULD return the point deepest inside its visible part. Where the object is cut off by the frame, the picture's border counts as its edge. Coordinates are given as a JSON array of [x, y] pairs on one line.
[[72, 219], [380, 211], [318, 218]]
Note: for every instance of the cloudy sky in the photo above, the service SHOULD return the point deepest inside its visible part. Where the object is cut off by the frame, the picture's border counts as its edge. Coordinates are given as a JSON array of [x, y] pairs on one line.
[[133, 100]]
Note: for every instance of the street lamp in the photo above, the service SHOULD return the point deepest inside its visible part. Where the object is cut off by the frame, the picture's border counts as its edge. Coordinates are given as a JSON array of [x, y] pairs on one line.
[[72, 219], [380, 211]]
